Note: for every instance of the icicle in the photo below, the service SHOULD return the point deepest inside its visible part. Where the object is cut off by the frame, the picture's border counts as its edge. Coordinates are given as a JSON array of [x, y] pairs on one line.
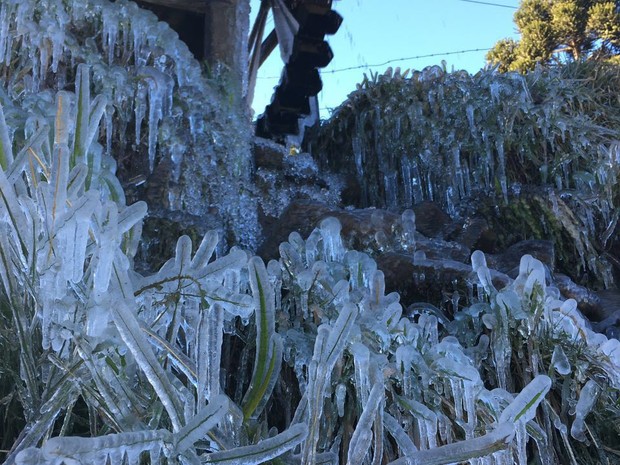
[[407, 221], [361, 357], [109, 32], [458, 182], [560, 362], [330, 231], [140, 101], [587, 398], [390, 185], [58, 36], [501, 168], [341, 394], [479, 265], [159, 91], [305, 280]]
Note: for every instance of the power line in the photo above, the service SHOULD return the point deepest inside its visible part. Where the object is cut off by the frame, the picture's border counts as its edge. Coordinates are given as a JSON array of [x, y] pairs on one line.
[[489, 4], [393, 60]]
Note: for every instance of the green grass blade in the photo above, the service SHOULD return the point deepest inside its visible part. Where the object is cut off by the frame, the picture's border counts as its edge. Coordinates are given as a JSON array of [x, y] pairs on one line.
[[268, 344]]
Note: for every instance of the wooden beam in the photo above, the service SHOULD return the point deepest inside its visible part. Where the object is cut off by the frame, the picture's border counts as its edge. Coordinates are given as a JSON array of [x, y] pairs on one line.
[[195, 6]]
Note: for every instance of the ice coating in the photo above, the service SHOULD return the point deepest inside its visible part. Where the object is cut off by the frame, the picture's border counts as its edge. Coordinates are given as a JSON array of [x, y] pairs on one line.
[[413, 356], [523, 408], [451, 137], [408, 230], [560, 361], [479, 265], [155, 96], [587, 398], [330, 232]]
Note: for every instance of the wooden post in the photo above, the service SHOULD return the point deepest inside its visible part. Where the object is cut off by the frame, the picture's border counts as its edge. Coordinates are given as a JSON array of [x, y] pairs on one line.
[[224, 35], [227, 24]]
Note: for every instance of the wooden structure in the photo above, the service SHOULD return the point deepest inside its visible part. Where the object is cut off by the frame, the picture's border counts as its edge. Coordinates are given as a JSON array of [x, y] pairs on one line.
[[300, 29], [210, 28]]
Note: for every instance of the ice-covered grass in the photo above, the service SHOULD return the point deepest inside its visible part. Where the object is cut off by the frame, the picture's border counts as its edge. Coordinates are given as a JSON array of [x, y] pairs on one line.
[[220, 358], [154, 90], [223, 359], [542, 149]]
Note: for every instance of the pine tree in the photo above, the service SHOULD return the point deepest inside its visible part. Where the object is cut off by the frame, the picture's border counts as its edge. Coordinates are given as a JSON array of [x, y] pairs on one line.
[[559, 31]]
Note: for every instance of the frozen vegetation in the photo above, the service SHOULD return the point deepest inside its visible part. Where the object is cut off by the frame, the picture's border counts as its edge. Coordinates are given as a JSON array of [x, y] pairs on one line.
[[537, 155], [153, 89], [218, 357]]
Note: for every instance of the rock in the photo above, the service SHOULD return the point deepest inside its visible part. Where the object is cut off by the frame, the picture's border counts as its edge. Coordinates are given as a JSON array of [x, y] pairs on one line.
[[300, 215], [431, 220], [508, 261], [369, 230], [283, 179], [587, 301], [267, 153], [436, 249], [609, 313], [475, 234], [430, 280]]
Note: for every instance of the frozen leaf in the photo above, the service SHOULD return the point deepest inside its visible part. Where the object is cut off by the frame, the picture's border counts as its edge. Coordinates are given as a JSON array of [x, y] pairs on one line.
[[268, 344], [263, 451], [461, 451], [523, 407], [197, 427], [130, 331]]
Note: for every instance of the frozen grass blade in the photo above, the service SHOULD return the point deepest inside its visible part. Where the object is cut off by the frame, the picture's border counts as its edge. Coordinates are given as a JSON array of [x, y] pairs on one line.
[[130, 331], [201, 423], [328, 348], [462, 451], [265, 450], [82, 89], [6, 149], [236, 258], [401, 437], [523, 408], [362, 436], [114, 448], [205, 251], [209, 352]]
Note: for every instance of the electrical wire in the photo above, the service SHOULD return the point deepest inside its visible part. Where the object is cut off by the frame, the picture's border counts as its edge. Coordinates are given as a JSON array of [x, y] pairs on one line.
[[393, 60], [490, 4]]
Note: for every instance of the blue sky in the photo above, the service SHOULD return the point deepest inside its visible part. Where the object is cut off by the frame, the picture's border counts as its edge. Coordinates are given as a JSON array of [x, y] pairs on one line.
[[376, 31]]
